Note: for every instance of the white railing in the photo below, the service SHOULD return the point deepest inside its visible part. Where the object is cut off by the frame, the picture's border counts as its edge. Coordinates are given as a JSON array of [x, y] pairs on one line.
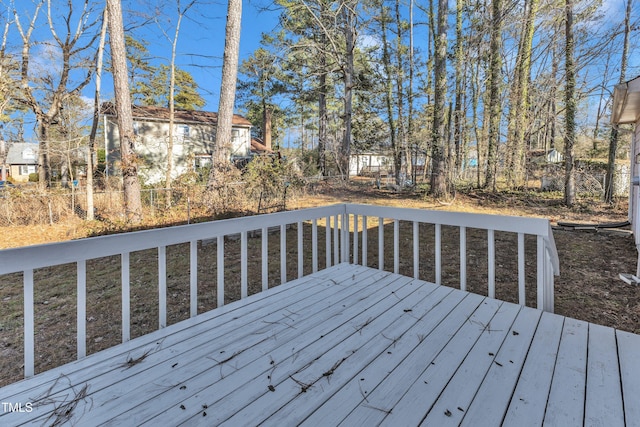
[[342, 244]]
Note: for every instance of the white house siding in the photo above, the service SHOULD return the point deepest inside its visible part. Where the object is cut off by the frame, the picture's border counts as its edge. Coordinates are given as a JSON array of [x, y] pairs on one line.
[[151, 147]]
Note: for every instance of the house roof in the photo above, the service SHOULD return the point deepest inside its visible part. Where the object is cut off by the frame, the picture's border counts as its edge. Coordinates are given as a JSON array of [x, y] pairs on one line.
[[626, 102], [16, 151], [181, 116]]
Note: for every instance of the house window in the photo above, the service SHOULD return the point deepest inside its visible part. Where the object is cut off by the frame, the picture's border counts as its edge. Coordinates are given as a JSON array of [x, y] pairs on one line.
[[185, 131], [27, 169], [136, 128]]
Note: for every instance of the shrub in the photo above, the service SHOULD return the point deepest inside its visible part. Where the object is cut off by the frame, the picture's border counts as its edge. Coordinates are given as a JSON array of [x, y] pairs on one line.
[[34, 177]]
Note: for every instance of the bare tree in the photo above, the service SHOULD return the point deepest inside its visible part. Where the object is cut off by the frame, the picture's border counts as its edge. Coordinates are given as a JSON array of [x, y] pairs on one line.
[[132, 202], [439, 168], [227, 94], [570, 108], [73, 45], [495, 79], [609, 188], [172, 84], [96, 117]]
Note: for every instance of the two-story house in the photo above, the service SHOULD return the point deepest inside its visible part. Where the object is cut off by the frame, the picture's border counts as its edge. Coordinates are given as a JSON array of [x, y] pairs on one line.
[[21, 159], [193, 140]]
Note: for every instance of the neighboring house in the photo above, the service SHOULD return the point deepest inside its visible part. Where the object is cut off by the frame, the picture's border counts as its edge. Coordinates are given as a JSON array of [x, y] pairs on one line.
[[541, 157], [369, 164], [626, 110], [21, 160], [194, 140]]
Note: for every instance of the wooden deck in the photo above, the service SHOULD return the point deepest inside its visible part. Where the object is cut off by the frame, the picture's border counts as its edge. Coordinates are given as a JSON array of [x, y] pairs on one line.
[[354, 346]]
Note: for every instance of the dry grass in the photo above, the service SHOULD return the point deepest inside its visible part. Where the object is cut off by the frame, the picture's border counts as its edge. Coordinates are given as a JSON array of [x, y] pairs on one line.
[[588, 287]]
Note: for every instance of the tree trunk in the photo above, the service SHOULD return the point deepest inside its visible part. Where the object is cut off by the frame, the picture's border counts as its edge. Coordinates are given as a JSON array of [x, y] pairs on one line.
[[322, 117], [495, 79], [458, 114], [222, 151], [438, 168], [96, 117], [348, 71], [570, 109], [388, 95], [131, 185], [519, 100], [609, 188]]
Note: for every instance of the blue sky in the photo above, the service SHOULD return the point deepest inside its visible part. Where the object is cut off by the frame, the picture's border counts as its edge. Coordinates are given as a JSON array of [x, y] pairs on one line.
[[201, 42]]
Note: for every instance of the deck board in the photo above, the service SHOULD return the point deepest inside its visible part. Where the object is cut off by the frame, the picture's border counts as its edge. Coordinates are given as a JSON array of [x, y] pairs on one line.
[[352, 345]]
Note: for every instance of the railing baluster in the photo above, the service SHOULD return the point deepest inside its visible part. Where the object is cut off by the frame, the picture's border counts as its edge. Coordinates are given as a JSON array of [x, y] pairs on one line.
[[243, 265], [162, 286], [549, 297], [265, 258], [438, 253], [220, 267], [283, 253], [365, 242], [336, 239], [540, 274], [126, 298], [416, 250], [193, 277], [380, 243], [81, 309], [396, 246], [345, 233], [463, 258], [355, 239], [521, 276], [328, 242], [300, 251], [314, 245], [491, 252], [29, 324]]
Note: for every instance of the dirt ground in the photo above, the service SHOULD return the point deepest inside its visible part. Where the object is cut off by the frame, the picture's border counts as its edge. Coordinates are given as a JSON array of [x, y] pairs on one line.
[[588, 287]]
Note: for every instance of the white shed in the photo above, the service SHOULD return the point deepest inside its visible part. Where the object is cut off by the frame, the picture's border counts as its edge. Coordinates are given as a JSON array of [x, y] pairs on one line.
[[626, 110]]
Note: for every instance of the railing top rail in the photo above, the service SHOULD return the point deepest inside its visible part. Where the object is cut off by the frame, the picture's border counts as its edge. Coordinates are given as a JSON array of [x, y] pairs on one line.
[[37, 256], [514, 224]]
